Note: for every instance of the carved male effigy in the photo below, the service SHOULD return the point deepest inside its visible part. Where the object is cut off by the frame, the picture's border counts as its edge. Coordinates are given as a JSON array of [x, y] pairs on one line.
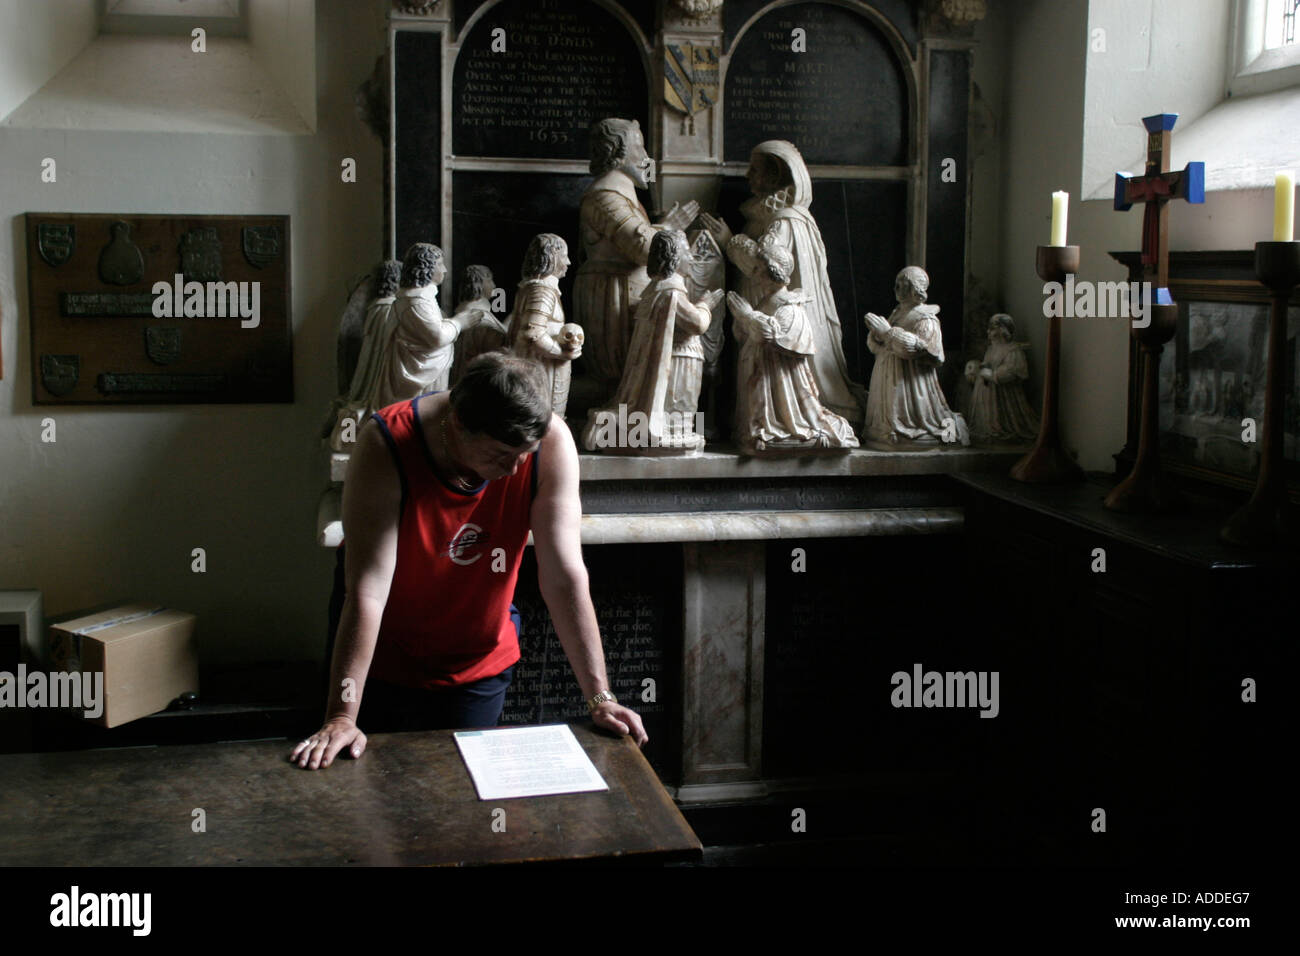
[[779, 212], [486, 334], [537, 327], [653, 411], [778, 409], [615, 233], [419, 353], [999, 410], [905, 403], [363, 394]]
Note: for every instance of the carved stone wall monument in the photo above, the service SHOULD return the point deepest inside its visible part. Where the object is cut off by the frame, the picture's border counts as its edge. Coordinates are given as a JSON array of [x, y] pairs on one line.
[[366, 387], [778, 408], [905, 404], [779, 213], [487, 334], [537, 323], [615, 233], [419, 354], [660, 387], [999, 410]]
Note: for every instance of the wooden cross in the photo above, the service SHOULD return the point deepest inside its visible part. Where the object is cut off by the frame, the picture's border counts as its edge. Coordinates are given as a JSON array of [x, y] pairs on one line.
[[1155, 188]]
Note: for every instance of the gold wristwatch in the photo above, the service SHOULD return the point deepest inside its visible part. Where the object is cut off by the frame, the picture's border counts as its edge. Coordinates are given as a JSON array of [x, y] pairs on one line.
[[599, 699]]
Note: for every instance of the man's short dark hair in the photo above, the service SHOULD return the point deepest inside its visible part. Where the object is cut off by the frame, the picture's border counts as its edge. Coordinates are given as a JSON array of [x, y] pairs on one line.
[[419, 263], [504, 397]]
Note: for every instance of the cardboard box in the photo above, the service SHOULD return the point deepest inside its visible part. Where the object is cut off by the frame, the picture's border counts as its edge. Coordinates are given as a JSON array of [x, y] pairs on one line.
[[146, 653]]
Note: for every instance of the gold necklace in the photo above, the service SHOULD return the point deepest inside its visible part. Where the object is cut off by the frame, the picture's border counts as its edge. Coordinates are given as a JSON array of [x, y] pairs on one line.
[[460, 482]]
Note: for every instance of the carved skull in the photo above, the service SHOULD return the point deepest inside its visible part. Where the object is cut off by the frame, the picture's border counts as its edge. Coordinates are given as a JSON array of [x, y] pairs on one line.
[[571, 335]]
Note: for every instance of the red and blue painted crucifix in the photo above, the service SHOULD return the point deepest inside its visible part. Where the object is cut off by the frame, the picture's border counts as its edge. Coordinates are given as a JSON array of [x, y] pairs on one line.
[[1145, 490], [1155, 188]]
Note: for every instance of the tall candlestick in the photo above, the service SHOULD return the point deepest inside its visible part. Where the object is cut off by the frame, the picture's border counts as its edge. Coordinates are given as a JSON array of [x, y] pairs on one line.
[[1060, 213], [1283, 206]]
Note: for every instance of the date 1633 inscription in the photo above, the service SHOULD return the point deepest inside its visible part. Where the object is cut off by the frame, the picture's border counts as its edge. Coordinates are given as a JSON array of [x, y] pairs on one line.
[[533, 75]]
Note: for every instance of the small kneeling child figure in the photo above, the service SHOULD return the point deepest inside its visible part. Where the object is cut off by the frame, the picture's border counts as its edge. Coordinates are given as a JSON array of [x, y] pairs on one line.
[[904, 402], [778, 403]]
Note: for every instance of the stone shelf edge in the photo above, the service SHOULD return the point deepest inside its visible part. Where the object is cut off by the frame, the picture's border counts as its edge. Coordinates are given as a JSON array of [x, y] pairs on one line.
[[713, 464], [717, 525]]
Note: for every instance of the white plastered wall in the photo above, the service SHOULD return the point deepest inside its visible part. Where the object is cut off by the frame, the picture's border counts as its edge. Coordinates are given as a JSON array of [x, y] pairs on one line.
[[1042, 136], [114, 507], [37, 40]]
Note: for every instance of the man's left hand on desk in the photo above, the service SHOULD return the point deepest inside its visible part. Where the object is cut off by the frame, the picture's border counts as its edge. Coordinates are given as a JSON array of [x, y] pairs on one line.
[[621, 720]]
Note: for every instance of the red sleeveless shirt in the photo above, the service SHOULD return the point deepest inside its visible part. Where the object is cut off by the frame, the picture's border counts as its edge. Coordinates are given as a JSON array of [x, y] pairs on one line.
[[449, 618]]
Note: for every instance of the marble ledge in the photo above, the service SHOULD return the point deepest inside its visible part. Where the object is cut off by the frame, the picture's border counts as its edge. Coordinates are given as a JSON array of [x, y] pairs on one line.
[[861, 462], [767, 525], [718, 525]]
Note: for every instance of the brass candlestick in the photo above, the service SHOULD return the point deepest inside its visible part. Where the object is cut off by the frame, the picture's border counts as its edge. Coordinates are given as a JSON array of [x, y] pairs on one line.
[[1269, 519], [1146, 489], [1047, 461]]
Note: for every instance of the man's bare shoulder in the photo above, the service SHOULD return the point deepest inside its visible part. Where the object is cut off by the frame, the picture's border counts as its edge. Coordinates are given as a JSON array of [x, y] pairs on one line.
[[370, 443], [372, 459], [558, 454]]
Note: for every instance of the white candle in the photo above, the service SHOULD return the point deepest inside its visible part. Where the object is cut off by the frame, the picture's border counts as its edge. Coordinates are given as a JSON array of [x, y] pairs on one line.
[[1284, 206], [1060, 213]]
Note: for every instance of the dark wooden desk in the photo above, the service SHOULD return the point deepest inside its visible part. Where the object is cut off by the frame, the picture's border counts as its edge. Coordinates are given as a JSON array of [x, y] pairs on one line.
[[408, 801]]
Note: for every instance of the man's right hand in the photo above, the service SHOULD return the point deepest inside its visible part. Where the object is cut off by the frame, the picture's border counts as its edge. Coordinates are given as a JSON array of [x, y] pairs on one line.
[[320, 749]]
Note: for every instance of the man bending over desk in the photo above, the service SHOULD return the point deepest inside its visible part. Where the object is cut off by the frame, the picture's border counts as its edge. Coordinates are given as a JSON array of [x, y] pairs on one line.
[[440, 496]]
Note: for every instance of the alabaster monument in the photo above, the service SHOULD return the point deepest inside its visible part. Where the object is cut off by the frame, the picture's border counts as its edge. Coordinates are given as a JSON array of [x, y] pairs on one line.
[[779, 213], [654, 410], [778, 406], [905, 404], [999, 410], [537, 327], [418, 355], [486, 333], [364, 392], [615, 232]]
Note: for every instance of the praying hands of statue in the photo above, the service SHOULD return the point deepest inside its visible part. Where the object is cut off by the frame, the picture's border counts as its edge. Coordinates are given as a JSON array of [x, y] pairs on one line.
[[905, 341], [740, 309], [710, 301], [718, 229], [878, 325], [681, 215]]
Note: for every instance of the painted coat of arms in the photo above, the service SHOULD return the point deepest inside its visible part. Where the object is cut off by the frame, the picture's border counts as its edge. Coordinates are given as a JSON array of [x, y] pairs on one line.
[[59, 373], [261, 245], [162, 343], [55, 242], [690, 77], [201, 255]]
